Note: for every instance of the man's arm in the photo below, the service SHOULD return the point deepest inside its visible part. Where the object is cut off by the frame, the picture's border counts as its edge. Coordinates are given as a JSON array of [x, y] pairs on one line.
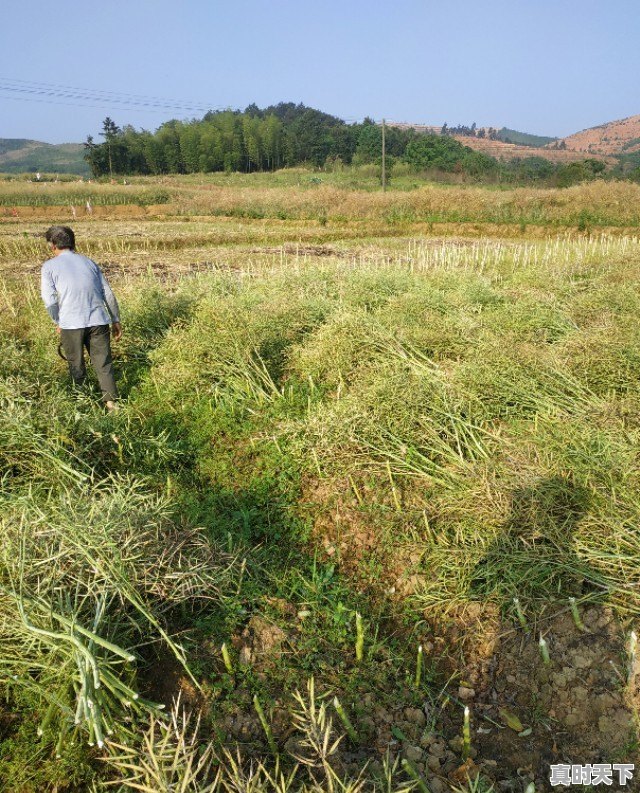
[[112, 306], [110, 299], [49, 294]]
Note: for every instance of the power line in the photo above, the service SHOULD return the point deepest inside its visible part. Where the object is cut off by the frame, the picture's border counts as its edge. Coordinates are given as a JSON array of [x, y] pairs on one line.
[[106, 93], [75, 96], [83, 97], [58, 103]]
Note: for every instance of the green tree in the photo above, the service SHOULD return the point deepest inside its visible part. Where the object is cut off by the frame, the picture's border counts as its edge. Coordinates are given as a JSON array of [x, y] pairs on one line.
[[251, 126], [132, 147], [110, 132], [577, 172], [190, 137], [435, 151], [271, 135], [153, 154], [444, 153], [95, 154], [211, 148], [168, 139]]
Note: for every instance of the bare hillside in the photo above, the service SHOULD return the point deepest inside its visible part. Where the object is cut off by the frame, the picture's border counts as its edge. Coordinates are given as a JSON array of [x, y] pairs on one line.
[[616, 137], [511, 151]]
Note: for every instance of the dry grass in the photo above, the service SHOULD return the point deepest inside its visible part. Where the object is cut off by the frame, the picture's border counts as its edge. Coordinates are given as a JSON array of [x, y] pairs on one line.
[[615, 204], [606, 203]]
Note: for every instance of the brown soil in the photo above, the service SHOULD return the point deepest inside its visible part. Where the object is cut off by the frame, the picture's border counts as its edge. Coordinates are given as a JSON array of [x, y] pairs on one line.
[[526, 715], [580, 708], [165, 680], [260, 644]]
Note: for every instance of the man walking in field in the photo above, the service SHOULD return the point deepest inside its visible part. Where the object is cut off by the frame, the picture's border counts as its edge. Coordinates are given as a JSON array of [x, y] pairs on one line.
[[80, 301]]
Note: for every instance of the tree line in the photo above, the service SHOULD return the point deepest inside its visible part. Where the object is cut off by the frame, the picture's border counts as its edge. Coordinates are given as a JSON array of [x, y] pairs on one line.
[[289, 135], [283, 135]]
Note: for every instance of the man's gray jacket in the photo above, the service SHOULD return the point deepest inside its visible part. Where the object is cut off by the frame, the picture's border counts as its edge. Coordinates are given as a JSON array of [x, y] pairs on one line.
[[76, 293]]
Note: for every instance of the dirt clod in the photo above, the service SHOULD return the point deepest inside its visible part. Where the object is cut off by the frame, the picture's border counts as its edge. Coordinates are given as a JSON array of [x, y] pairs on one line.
[[415, 716], [260, 642], [413, 753], [466, 694]]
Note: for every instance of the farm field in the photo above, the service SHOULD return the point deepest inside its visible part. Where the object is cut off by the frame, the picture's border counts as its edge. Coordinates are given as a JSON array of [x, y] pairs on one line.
[[375, 478], [342, 201]]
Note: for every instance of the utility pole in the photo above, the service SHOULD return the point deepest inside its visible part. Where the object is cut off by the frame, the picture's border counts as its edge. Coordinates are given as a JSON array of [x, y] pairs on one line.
[[384, 155]]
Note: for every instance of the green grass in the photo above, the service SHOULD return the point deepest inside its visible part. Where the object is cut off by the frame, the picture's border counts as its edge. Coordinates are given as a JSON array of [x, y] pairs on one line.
[[49, 196]]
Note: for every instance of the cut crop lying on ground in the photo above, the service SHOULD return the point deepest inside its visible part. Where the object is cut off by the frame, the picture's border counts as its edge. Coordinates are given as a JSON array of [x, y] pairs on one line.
[[452, 394], [322, 463]]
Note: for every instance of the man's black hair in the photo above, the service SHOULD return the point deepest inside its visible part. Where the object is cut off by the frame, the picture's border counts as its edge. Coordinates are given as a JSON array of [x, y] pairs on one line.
[[62, 237]]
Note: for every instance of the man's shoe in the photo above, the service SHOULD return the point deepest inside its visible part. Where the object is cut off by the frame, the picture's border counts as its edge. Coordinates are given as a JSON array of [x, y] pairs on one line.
[[111, 406]]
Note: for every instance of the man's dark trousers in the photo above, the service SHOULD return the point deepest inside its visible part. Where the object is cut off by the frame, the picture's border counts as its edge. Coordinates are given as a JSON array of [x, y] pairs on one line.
[[97, 342]]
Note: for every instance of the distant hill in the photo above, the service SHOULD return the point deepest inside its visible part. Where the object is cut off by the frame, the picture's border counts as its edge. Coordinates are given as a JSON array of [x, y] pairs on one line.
[[523, 138], [18, 155], [514, 151], [614, 142], [521, 146], [13, 144], [613, 138]]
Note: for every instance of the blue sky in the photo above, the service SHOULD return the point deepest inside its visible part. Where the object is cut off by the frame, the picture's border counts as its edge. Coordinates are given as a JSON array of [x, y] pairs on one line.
[[548, 67]]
